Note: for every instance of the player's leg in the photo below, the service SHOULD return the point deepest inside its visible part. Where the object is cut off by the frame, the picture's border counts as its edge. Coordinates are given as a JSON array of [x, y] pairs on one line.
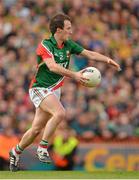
[[51, 126], [52, 105], [39, 122]]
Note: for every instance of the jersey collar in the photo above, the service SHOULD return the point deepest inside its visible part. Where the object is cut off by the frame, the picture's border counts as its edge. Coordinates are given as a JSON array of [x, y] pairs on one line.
[[52, 38]]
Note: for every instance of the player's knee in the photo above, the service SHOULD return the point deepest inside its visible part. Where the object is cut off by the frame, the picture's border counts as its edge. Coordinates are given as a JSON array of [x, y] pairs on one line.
[[36, 131], [61, 114]]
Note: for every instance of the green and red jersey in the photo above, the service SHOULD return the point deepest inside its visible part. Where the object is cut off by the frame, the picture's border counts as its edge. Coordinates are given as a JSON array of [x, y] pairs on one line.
[[46, 49]]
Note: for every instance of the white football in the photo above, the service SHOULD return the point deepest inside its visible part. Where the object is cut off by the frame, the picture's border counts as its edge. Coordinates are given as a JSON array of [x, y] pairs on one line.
[[94, 76]]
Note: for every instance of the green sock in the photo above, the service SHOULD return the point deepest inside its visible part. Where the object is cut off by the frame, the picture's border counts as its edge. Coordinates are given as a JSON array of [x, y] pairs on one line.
[[44, 143], [18, 149]]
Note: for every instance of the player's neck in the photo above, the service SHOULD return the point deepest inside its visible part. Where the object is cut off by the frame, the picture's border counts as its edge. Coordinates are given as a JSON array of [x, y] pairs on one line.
[[58, 40]]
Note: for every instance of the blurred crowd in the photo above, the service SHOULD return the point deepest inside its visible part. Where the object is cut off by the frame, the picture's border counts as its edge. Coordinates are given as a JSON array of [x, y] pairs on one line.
[[110, 27]]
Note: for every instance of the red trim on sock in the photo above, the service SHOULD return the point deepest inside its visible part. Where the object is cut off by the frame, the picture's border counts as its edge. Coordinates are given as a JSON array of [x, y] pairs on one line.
[[43, 146], [17, 152]]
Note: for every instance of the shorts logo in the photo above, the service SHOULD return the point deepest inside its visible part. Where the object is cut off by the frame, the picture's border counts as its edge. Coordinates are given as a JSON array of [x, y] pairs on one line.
[[45, 91]]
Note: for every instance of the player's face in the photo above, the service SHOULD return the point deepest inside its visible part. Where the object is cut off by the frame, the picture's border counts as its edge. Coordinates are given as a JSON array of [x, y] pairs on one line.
[[67, 30]]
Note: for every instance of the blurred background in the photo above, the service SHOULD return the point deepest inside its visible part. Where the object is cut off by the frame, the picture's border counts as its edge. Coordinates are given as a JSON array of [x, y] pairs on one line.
[[102, 126]]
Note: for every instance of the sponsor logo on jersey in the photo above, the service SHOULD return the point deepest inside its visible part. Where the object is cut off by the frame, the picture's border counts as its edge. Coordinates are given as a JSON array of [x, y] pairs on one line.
[[68, 54], [55, 54]]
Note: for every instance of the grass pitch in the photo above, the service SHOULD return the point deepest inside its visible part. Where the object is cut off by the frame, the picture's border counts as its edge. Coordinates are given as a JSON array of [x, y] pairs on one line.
[[68, 175]]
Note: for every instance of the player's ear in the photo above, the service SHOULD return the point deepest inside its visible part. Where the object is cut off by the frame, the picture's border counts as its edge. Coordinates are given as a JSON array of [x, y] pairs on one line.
[[59, 30]]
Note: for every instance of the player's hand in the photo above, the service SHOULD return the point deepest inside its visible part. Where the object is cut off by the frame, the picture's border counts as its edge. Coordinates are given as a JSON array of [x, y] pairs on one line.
[[110, 61], [78, 76]]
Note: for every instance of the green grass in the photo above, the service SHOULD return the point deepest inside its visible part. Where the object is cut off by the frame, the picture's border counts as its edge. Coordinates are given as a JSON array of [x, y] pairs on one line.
[[68, 175]]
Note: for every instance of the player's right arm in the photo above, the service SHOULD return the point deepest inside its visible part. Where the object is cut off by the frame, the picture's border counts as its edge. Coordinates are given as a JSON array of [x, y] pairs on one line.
[[56, 68], [48, 59]]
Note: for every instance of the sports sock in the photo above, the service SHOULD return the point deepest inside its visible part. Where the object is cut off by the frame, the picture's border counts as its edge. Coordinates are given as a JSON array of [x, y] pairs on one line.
[[43, 144], [18, 150]]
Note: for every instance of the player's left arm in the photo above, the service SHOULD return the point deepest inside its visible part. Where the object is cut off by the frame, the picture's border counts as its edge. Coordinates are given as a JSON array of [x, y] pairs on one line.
[[99, 57]]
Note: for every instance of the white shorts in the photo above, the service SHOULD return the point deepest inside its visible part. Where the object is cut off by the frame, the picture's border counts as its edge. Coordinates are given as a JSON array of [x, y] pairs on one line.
[[38, 94]]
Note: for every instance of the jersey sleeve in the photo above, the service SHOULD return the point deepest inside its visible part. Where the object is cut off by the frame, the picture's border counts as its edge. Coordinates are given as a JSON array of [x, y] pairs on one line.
[[75, 48], [43, 51]]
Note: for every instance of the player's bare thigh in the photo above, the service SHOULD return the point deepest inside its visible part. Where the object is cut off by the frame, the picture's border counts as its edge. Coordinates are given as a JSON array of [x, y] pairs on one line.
[[52, 105]]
